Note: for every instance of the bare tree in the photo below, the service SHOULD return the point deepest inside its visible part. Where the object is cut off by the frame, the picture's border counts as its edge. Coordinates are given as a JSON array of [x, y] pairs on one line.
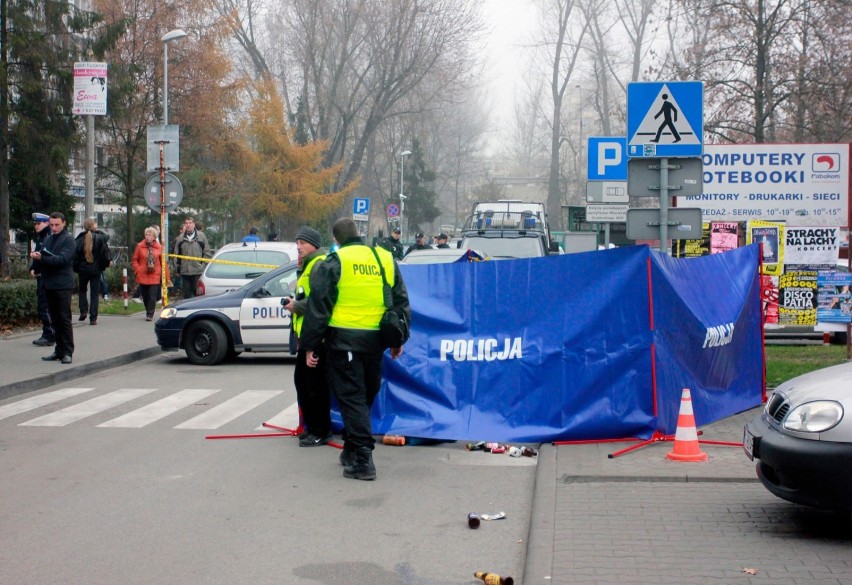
[[746, 63], [562, 36], [354, 62]]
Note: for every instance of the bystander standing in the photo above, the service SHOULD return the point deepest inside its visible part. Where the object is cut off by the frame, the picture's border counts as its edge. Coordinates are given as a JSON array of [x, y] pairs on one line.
[[55, 264], [191, 244]]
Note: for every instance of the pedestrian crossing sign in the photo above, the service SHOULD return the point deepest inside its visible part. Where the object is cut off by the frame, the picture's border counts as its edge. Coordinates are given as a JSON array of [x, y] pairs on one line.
[[665, 119]]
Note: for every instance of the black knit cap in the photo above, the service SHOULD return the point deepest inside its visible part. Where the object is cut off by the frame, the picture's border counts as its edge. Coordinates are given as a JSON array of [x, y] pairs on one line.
[[310, 235]]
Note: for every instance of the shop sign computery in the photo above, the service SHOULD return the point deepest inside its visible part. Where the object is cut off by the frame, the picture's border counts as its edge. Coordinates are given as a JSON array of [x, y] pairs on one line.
[[801, 184]]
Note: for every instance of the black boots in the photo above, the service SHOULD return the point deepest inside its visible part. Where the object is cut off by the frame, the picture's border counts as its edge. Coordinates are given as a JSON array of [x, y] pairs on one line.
[[363, 467], [347, 456]]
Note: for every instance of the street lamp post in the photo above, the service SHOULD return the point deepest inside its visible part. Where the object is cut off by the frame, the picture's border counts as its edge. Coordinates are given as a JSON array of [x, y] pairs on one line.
[[402, 196], [172, 35]]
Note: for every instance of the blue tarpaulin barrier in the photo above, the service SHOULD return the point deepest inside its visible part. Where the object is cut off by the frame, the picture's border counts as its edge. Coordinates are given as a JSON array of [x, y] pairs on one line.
[[587, 346]]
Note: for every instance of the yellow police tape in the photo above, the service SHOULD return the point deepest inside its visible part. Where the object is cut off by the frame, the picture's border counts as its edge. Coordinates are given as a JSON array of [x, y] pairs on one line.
[[223, 261]]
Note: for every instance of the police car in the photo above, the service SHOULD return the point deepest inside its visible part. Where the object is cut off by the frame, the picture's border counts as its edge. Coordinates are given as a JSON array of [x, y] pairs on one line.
[[250, 318]]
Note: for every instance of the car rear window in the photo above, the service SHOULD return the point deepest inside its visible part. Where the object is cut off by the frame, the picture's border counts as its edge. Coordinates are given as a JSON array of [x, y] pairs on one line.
[[268, 257]]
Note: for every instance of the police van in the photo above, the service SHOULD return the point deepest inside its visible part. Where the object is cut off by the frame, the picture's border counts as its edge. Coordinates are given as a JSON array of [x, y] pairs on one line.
[[507, 228]]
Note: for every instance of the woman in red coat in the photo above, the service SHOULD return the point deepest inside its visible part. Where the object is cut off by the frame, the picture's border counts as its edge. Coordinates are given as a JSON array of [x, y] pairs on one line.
[[146, 265]]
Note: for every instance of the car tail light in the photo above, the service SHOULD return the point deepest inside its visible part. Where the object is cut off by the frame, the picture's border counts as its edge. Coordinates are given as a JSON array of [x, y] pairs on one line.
[[199, 289]]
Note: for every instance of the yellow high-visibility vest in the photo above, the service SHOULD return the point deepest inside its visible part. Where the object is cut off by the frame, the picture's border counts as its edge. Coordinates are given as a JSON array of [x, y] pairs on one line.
[[360, 301], [305, 282]]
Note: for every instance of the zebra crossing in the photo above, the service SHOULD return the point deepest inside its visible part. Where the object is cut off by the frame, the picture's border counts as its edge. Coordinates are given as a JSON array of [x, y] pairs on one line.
[[186, 401]]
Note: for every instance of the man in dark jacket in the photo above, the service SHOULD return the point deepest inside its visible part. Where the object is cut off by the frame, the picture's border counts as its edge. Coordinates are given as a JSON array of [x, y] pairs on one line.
[[419, 244], [441, 241], [311, 383], [54, 261], [91, 258], [344, 309], [42, 228], [393, 245], [192, 244]]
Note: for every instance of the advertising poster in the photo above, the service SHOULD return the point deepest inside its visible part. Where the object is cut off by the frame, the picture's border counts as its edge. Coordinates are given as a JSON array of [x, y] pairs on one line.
[[693, 248], [90, 89], [724, 236], [770, 236], [834, 299], [769, 298], [808, 245], [797, 296], [801, 184]]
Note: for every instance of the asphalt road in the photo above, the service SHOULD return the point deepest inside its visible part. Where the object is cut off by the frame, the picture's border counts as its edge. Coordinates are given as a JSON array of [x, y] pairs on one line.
[[115, 483]]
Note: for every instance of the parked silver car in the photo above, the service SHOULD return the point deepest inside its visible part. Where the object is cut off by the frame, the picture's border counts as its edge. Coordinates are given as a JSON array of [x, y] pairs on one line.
[[802, 440], [242, 263]]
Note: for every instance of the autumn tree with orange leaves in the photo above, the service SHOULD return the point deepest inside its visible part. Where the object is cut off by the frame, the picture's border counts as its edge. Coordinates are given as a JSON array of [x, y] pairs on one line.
[[281, 178]]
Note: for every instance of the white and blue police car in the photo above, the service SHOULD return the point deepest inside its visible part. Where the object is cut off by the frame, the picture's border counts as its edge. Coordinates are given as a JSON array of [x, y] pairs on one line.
[[251, 318]]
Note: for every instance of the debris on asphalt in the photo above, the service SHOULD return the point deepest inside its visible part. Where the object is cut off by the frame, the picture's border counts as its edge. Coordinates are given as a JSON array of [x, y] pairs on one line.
[[497, 516], [397, 440], [473, 520], [493, 578]]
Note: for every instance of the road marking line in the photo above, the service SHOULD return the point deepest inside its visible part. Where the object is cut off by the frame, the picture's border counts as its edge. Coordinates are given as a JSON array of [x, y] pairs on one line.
[[91, 407], [229, 410], [38, 401], [287, 418], [160, 409]]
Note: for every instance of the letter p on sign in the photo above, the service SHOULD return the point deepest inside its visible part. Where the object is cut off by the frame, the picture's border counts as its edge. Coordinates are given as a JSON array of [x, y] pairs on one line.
[[607, 158], [361, 205]]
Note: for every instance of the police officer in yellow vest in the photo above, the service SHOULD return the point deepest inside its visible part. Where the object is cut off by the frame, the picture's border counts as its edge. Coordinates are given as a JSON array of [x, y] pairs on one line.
[[311, 384], [344, 309]]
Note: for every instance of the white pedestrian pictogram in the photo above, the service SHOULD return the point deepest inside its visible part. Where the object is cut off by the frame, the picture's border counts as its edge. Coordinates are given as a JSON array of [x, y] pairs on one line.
[[665, 123]]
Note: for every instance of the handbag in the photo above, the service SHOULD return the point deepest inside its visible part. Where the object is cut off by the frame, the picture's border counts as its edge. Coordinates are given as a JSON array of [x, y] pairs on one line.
[[393, 327]]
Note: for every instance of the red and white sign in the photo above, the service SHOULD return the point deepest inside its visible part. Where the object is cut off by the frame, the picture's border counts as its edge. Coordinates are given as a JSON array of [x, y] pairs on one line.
[[90, 89]]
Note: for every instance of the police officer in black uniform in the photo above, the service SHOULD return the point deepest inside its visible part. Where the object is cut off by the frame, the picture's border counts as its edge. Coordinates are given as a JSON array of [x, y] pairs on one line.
[[42, 228], [393, 245], [344, 309], [419, 244]]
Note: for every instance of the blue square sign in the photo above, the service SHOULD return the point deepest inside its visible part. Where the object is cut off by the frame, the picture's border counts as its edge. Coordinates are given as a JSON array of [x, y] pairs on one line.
[[665, 119], [607, 160]]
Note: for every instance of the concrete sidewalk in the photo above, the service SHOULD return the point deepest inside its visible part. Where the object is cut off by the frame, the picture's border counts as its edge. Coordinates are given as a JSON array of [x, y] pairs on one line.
[[115, 341]]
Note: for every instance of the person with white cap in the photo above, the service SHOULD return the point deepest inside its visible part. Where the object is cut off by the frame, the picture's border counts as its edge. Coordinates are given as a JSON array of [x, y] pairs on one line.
[[42, 228]]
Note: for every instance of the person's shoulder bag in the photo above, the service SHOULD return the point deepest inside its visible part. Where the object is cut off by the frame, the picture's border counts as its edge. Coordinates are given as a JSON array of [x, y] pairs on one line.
[[394, 328]]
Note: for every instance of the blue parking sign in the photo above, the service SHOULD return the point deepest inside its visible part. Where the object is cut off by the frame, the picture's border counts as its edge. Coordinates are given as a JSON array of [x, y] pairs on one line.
[[607, 160], [361, 206], [665, 119]]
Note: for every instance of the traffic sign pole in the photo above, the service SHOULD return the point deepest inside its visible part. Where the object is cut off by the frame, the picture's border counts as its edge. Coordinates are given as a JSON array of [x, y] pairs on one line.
[[664, 204]]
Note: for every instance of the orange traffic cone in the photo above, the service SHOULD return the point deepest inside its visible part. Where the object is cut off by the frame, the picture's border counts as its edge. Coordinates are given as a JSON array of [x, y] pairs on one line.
[[686, 446]]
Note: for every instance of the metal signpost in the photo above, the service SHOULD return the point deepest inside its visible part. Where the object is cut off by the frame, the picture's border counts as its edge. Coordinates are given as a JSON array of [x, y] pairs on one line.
[[665, 120], [684, 177], [607, 179], [361, 210], [646, 224]]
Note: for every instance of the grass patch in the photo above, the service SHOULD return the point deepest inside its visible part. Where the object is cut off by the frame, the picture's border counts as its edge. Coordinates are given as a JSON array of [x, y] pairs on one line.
[[788, 361], [116, 307]]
